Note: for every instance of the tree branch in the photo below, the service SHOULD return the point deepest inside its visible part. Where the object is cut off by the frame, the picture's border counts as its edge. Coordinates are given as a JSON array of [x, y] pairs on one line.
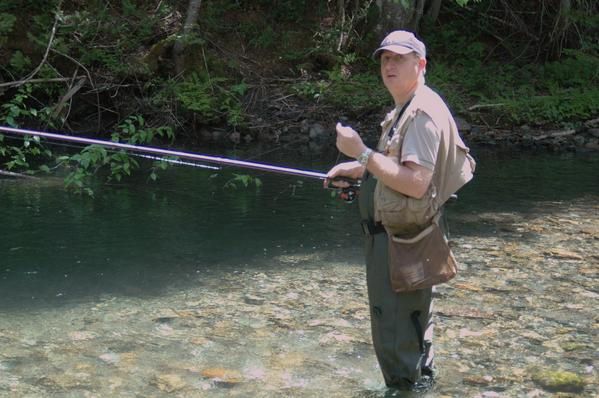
[[18, 175], [37, 69], [49, 80]]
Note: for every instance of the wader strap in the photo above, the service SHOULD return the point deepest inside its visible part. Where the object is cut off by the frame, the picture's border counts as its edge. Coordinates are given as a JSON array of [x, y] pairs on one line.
[[372, 228], [415, 315], [444, 224]]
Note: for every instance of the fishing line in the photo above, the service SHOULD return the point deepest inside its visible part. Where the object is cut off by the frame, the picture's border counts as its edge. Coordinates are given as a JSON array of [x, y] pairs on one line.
[[348, 192], [169, 152], [156, 158]]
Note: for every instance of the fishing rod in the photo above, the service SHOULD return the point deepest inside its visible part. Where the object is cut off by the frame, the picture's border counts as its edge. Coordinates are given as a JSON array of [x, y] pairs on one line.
[[347, 193]]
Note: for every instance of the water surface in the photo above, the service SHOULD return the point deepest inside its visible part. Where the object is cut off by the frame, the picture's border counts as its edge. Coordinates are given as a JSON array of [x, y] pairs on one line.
[[184, 287]]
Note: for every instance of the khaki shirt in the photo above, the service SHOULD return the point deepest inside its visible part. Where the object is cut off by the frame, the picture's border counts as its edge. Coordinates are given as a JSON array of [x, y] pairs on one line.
[[421, 143], [425, 134]]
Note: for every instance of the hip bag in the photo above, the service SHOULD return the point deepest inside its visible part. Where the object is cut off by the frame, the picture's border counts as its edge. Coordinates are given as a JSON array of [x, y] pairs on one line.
[[421, 261]]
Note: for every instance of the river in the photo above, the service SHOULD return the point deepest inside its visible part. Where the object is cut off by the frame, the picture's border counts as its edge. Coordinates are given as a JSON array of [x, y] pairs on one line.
[[184, 287]]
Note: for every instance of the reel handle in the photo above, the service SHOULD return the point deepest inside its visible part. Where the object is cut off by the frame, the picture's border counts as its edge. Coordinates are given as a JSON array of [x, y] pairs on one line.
[[349, 193]]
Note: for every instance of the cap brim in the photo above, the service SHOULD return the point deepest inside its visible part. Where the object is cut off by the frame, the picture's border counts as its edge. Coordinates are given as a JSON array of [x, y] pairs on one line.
[[393, 48]]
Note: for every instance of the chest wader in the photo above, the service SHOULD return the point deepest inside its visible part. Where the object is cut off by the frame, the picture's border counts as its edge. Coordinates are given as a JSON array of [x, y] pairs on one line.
[[401, 323]]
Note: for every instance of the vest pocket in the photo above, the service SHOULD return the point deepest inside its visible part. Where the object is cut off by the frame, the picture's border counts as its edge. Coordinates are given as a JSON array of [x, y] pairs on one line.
[[402, 215]]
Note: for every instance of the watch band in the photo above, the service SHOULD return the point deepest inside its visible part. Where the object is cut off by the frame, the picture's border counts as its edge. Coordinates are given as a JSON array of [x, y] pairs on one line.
[[364, 156]]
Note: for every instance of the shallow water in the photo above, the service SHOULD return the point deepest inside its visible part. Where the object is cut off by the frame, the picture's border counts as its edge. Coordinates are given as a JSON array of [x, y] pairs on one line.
[[184, 288]]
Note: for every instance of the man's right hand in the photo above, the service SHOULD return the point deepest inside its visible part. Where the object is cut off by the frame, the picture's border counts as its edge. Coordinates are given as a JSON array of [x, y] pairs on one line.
[[352, 170]]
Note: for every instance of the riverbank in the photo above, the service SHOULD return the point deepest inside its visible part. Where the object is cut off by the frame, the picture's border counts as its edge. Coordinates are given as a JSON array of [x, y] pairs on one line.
[[294, 121], [582, 139]]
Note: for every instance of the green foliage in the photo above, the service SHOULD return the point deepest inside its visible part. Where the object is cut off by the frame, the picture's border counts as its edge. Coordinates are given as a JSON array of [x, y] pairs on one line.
[[463, 3], [577, 69], [487, 67], [16, 108], [311, 89], [198, 95], [118, 164], [112, 35], [562, 91], [7, 22], [21, 107], [19, 62], [357, 92], [22, 157], [211, 99], [265, 38], [242, 180], [577, 104], [134, 130], [281, 11]]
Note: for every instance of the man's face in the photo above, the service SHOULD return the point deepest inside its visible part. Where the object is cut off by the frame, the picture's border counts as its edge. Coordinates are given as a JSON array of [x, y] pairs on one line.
[[400, 72]]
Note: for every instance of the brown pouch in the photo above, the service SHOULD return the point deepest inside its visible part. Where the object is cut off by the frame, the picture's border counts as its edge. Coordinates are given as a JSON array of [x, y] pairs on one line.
[[422, 261]]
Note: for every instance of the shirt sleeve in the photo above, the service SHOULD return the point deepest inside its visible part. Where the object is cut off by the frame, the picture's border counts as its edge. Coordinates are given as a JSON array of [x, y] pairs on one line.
[[421, 142]]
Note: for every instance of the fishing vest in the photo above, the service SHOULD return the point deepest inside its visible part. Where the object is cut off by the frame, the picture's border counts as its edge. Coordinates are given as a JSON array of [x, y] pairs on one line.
[[406, 216]]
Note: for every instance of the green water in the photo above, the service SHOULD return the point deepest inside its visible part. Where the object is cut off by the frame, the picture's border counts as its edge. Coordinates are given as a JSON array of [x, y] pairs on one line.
[[265, 281], [139, 237]]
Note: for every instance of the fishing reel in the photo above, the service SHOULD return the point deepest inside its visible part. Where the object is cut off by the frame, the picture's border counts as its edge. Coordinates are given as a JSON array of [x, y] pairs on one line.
[[349, 193]]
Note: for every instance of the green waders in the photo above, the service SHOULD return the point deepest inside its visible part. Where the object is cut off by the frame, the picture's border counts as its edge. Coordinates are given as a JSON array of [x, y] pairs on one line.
[[401, 322]]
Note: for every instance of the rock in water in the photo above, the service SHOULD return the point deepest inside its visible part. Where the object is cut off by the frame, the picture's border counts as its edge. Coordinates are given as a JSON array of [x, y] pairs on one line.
[[557, 381]]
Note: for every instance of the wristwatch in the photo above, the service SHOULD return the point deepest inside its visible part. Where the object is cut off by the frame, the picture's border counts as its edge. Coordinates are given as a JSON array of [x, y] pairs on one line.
[[364, 156]]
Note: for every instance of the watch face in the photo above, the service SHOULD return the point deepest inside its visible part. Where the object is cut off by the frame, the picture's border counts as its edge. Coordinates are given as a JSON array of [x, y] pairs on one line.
[[363, 158]]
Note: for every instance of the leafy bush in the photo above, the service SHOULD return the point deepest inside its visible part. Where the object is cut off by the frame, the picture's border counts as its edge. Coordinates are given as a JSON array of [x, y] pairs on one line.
[[119, 164], [557, 92], [360, 92], [211, 99], [31, 152], [573, 105], [7, 22]]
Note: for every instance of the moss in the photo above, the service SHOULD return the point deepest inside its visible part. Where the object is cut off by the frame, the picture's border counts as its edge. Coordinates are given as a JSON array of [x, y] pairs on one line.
[[573, 346], [157, 52], [559, 380]]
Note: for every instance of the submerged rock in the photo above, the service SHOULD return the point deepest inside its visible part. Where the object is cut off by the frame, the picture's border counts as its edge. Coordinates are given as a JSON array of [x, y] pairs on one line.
[[223, 375], [168, 382], [559, 381]]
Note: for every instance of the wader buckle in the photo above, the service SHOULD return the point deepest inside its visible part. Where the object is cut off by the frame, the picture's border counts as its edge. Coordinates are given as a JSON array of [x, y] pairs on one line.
[[371, 228]]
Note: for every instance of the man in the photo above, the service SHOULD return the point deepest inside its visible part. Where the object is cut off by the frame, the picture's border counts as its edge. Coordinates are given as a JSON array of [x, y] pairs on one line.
[[413, 161]]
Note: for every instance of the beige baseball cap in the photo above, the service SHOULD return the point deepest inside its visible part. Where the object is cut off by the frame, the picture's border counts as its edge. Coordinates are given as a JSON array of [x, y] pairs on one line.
[[401, 42]]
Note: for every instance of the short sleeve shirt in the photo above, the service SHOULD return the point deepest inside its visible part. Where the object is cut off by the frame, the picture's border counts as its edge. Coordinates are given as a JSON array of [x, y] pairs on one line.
[[421, 142]]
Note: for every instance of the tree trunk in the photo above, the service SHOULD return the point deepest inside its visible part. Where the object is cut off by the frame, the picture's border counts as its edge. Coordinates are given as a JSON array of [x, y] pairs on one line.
[[433, 10], [414, 24], [193, 10], [394, 15], [342, 18], [557, 36], [356, 7]]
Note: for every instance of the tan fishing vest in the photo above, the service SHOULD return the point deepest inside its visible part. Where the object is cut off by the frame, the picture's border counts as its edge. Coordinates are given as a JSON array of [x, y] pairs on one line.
[[405, 216]]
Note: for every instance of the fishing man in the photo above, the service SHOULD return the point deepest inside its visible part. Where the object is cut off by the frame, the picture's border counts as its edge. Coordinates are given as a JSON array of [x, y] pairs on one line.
[[412, 161]]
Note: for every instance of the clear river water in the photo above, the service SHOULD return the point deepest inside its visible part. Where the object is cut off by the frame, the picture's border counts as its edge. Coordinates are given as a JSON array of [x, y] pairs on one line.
[[184, 287]]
